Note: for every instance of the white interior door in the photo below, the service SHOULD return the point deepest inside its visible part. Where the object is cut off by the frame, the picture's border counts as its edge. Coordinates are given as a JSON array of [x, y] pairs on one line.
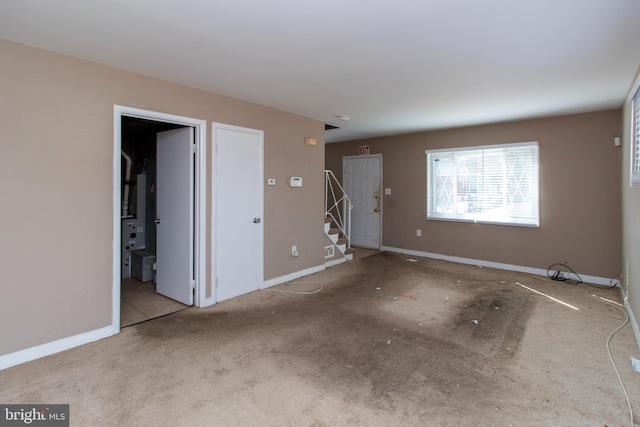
[[362, 178], [174, 214], [238, 210]]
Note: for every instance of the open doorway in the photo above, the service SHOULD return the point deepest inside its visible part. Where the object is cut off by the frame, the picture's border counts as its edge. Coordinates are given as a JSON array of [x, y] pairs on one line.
[[139, 299], [158, 214]]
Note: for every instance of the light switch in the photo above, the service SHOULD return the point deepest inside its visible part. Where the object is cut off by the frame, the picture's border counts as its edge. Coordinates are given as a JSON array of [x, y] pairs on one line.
[[271, 181], [387, 191]]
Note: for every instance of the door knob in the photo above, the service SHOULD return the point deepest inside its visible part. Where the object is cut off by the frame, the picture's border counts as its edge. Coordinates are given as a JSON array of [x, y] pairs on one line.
[[256, 220], [157, 220]]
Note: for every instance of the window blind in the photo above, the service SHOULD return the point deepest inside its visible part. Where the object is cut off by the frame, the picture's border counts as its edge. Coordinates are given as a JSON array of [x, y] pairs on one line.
[[635, 140], [492, 184]]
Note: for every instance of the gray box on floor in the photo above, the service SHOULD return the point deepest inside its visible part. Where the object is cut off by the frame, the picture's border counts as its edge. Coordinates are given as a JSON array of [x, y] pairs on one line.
[[142, 265]]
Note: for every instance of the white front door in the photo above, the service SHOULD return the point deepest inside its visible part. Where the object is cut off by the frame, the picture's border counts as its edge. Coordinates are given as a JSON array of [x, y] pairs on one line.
[[362, 178], [174, 214], [238, 186]]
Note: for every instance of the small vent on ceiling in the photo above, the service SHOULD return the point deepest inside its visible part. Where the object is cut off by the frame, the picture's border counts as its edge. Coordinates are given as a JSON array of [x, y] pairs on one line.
[[329, 127]]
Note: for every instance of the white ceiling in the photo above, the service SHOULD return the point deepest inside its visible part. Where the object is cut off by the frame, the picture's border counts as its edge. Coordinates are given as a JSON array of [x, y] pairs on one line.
[[392, 66]]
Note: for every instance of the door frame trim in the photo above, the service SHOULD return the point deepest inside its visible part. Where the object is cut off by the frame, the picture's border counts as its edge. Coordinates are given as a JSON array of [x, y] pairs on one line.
[[214, 205], [344, 161], [200, 182]]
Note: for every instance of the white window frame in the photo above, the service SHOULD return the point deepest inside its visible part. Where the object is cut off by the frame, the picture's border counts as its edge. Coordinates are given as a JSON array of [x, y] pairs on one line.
[[502, 215], [634, 145]]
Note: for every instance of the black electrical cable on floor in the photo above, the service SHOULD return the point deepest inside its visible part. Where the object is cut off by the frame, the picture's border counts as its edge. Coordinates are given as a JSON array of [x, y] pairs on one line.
[[563, 276]]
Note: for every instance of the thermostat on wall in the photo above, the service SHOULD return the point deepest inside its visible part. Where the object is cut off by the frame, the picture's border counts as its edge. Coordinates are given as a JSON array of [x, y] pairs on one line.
[[296, 181]]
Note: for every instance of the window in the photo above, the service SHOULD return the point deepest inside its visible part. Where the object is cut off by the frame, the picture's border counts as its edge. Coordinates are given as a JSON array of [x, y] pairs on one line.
[[492, 184], [635, 139]]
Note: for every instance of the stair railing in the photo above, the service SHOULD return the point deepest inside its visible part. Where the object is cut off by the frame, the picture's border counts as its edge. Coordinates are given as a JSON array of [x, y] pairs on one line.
[[337, 205]]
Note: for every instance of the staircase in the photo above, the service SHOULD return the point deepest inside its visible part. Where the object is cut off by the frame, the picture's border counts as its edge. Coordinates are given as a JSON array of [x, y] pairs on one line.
[[337, 221]]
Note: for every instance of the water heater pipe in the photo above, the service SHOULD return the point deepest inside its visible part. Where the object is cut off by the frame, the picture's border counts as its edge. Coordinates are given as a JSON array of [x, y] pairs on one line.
[[127, 179]]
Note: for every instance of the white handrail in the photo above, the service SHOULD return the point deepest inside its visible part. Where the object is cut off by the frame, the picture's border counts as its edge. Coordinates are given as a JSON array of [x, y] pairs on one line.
[[337, 205]]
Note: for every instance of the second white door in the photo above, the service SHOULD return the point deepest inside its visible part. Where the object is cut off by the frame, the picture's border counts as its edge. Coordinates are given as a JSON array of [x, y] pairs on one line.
[[238, 210]]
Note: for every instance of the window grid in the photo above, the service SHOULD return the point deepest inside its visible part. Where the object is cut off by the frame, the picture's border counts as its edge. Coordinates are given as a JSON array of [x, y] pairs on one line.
[[494, 184]]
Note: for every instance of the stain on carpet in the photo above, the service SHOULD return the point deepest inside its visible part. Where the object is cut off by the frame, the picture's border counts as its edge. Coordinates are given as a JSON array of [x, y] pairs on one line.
[[377, 340]]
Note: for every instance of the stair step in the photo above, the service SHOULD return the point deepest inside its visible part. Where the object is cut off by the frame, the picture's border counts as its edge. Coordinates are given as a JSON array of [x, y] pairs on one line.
[[335, 235]]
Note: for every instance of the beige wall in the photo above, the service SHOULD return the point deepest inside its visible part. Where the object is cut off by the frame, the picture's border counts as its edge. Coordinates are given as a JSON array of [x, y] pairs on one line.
[[579, 194], [56, 151], [630, 224]]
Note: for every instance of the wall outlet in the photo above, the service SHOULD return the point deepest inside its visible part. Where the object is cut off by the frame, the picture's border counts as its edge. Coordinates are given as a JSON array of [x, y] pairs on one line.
[[294, 250], [418, 232]]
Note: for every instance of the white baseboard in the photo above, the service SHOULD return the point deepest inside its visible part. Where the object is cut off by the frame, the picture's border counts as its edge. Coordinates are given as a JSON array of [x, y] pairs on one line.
[[292, 276], [53, 347], [335, 261], [632, 318], [634, 325], [603, 281]]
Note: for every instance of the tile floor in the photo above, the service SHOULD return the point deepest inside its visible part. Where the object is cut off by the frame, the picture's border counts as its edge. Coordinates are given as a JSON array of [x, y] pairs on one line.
[[139, 302]]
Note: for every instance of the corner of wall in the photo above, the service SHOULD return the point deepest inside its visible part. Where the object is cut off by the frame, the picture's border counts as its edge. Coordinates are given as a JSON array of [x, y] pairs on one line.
[[632, 321]]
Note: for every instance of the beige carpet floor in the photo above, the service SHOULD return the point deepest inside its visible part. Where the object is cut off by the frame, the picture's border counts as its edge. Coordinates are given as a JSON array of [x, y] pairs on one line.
[[389, 340]]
